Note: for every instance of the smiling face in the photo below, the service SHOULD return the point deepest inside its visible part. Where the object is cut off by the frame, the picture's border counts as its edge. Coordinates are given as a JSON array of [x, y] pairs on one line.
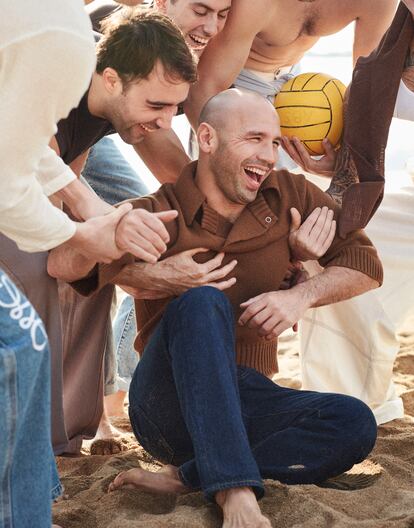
[[199, 21], [244, 149], [141, 107]]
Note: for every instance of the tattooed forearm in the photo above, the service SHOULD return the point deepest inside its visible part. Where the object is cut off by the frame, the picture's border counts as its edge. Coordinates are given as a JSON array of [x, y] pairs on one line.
[[345, 175], [409, 61]]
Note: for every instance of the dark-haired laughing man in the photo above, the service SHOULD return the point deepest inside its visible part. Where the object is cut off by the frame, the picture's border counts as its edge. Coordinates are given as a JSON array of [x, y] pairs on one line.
[[201, 399]]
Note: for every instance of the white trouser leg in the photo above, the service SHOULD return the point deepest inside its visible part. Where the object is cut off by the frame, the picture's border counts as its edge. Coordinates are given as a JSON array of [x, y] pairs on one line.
[[350, 347]]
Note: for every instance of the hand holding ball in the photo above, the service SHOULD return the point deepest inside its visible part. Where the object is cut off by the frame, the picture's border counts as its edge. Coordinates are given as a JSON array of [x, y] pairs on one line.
[[310, 107]]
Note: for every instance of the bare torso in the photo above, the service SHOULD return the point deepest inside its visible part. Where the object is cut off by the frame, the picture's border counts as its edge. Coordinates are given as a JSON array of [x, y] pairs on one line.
[[293, 27]]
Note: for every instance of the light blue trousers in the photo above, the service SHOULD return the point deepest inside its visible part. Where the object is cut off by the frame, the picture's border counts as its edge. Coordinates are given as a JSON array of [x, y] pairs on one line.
[[28, 475]]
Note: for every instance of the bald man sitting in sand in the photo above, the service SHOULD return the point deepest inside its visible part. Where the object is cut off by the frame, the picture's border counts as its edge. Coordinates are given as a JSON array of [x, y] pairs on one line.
[[201, 399]]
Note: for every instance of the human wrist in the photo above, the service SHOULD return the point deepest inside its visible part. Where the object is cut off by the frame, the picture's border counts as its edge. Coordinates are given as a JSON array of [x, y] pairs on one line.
[[137, 275], [83, 202], [306, 293], [82, 239]]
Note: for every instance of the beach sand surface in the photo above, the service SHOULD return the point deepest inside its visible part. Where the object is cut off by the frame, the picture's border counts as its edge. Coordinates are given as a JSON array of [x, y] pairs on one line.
[[388, 473]]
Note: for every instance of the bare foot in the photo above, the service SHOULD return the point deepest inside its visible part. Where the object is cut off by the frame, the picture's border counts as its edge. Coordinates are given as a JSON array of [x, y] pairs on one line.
[[108, 440], [114, 404], [164, 481], [240, 509]]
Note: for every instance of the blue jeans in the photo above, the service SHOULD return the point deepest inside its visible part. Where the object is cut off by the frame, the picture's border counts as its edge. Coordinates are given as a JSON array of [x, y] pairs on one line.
[[228, 426], [28, 476], [125, 330], [110, 175]]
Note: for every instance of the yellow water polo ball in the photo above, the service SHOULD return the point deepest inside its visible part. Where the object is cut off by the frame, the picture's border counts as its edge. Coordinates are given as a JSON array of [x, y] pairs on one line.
[[310, 107]]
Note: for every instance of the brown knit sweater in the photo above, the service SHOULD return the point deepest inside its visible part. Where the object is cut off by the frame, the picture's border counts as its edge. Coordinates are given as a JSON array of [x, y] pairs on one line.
[[258, 240]]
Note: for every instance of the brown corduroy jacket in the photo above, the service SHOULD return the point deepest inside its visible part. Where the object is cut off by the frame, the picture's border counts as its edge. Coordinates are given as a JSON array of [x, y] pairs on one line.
[[258, 240]]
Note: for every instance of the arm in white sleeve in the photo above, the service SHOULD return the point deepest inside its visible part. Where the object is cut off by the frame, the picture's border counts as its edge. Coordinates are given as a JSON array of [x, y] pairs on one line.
[[53, 174], [404, 106], [43, 75]]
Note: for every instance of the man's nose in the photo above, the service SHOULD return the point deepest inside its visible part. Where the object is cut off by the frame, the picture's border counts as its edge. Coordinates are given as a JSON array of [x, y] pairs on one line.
[[165, 120], [211, 25], [269, 153]]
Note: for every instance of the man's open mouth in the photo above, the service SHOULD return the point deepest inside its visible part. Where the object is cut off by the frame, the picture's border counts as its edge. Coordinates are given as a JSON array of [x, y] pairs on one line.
[[148, 128], [198, 42], [255, 174]]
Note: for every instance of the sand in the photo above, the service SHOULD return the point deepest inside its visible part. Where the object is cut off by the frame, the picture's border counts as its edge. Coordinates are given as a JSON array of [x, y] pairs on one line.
[[388, 501]]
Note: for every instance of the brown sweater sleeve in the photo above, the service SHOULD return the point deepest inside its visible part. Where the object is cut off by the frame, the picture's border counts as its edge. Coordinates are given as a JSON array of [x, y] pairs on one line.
[[355, 251], [103, 274]]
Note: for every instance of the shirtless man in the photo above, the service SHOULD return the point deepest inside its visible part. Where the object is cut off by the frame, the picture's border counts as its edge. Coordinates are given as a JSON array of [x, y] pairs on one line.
[[268, 38]]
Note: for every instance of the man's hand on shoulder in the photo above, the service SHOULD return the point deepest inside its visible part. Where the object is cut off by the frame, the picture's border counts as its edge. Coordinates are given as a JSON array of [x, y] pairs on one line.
[[144, 234], [311, 239]]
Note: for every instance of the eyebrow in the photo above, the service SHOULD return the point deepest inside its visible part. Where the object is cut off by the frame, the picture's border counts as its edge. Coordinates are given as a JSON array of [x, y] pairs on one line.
[[164, 103], [261, 134], [208, 8]]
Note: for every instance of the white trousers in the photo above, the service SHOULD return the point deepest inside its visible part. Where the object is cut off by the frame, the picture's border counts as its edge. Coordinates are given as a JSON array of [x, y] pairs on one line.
[[350, 347]]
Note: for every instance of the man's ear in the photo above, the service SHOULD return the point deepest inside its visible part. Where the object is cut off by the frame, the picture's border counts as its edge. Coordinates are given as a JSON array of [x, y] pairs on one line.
[[207, 138], [112, 81]]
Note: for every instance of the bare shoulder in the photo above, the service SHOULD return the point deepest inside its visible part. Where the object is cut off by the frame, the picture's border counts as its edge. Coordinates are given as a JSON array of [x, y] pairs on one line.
[[380, 9], [245, 14]]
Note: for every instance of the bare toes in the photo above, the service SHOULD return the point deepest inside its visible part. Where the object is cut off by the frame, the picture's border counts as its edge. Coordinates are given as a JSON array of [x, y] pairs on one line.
[[110, 446]]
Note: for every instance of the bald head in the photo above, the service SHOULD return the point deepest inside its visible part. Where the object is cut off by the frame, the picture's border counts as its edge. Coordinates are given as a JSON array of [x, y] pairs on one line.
[[228, 108], [238, 138]]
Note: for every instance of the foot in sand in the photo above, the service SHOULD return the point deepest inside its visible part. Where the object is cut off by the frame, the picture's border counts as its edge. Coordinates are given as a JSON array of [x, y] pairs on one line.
[[108, 440], [164, 481], [240, 509], [115, 405]]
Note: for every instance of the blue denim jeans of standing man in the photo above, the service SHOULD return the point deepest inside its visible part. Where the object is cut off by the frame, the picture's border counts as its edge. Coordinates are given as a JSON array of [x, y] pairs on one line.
[[110, 175], [28, 475], [125, 331], [228, 426]]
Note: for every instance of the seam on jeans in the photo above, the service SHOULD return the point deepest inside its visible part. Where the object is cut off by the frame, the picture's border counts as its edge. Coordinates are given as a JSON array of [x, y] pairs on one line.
[[289, 411], [259, 444], [185, 481], [125, 329], [56, 491], [10, 412], [141, 413]]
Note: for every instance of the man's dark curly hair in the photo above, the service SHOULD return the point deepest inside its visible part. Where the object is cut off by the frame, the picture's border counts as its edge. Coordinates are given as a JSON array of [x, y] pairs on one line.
[[133, 41]]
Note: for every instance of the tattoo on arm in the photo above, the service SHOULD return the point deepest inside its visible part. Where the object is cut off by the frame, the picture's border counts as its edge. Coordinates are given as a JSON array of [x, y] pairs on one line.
[[409, 60], [345, 175]]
